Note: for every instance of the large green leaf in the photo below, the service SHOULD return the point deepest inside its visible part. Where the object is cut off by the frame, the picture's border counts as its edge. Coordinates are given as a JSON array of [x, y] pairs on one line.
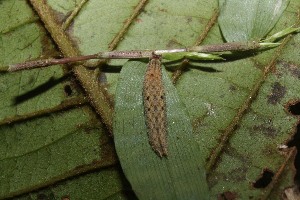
[[180, 175], [110, 182], [49, 134], [249, 19]]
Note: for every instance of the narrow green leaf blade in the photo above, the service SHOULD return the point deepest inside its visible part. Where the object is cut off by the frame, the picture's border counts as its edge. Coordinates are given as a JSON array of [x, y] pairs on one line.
[[252, 19], [179, 176], [281, 34], [191, 55]]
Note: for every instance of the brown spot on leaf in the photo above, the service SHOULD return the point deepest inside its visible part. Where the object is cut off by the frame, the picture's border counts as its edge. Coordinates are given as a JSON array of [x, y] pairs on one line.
[[278, 92], [268, 150], [295, 72], [266, 129], [292, 68], [232, 88], [197, 122], [65, 197], [227, 196]]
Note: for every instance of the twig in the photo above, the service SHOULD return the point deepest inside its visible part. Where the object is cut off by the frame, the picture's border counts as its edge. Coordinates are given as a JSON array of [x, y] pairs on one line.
[[234, 46]]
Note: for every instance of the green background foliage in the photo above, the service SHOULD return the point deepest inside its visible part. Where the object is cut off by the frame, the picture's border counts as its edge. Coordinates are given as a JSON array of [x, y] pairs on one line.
[[55, 125]]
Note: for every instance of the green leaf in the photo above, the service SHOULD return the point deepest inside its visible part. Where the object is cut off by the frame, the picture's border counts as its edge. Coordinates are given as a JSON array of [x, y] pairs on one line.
[[48, 132], [239, 108], [179, 176], [191, 55], [281, 34], [249, 20], [109, 180]]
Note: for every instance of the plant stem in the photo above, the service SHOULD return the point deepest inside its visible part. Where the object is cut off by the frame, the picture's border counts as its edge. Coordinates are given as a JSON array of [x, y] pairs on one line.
[[233, 46]]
